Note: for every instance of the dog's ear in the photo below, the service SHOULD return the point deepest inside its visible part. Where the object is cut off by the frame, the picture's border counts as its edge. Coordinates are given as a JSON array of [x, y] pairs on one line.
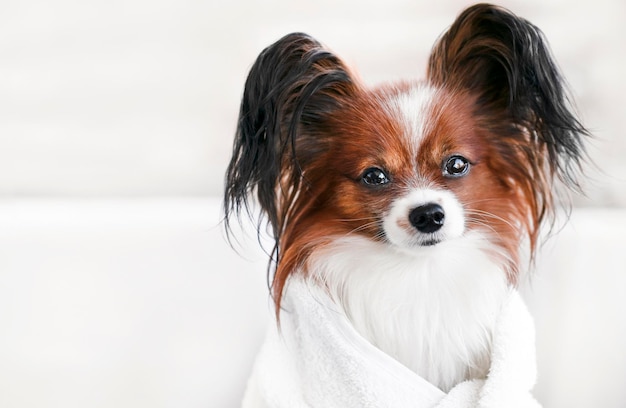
[[504, 60], [290, 89]]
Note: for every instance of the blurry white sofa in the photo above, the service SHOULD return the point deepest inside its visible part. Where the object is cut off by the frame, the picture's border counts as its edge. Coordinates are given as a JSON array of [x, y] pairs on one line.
[[142, 303]]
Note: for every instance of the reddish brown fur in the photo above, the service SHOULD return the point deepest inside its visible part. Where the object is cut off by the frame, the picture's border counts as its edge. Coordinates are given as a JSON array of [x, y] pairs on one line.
[[497, 195], [335, 202]]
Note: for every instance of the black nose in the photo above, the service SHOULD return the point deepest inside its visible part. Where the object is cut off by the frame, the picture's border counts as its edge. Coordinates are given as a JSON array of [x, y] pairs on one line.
[[427, 218]]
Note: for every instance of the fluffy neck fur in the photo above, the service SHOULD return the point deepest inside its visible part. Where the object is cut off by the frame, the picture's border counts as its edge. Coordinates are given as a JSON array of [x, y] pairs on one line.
[[433, 310]]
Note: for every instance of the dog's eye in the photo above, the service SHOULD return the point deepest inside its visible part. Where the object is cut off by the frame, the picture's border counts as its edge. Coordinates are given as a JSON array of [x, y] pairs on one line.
[[456, 166], [374, 177]]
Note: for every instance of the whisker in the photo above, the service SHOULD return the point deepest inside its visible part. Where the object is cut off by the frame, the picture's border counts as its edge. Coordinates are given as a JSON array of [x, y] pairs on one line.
[[372, 222], [484, 200], [490, 215], [355, 219], [363, 227], [486, 224]]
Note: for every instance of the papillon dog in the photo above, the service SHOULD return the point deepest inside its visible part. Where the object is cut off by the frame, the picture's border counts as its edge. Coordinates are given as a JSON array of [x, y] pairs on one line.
[[415, 205]]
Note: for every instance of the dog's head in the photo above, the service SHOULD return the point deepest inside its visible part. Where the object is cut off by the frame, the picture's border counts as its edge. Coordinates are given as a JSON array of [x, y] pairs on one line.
[[475, 147]]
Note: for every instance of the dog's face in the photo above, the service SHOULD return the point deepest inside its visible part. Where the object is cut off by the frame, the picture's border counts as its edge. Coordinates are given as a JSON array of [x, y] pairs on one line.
[[412, 166]]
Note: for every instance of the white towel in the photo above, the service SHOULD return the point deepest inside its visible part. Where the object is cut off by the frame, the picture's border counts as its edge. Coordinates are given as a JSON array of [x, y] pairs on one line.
[[317, 360]]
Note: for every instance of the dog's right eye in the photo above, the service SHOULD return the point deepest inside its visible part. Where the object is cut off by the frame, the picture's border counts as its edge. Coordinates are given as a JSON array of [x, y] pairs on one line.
[[374, 177]]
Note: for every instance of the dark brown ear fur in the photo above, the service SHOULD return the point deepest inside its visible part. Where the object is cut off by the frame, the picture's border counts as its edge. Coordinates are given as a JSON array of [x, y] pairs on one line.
[[505, 61], [292, 86]]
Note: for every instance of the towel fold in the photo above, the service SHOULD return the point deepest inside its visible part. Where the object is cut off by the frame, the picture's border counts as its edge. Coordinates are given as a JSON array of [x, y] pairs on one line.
[[317, 360]]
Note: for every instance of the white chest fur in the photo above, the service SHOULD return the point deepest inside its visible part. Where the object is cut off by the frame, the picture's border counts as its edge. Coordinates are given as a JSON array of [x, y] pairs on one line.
[[433, 310]]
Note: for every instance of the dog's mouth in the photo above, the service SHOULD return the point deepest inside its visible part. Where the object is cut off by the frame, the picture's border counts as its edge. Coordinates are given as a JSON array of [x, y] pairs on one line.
[[430, 242], [415, 241]]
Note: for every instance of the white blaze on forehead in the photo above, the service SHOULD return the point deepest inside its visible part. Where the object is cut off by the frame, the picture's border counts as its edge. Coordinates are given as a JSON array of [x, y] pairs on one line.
[[413, 108]]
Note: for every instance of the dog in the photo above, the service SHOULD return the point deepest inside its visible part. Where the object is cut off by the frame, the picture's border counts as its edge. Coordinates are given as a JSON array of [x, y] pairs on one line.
[[415, 206]]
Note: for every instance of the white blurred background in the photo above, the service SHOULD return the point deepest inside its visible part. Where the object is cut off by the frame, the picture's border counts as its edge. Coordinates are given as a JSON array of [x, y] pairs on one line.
[[116, 123]]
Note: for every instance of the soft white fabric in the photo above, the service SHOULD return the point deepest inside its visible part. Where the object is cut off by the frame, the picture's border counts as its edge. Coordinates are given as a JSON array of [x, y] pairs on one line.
[[316, 359]]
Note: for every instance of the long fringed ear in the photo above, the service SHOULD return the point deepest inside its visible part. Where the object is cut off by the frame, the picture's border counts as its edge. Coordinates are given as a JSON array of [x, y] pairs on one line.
[[505, 60], [292, 85]]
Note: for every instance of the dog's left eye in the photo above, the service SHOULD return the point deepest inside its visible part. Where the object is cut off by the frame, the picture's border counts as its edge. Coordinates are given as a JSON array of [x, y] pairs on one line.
[[374, 177], [455, 166]]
